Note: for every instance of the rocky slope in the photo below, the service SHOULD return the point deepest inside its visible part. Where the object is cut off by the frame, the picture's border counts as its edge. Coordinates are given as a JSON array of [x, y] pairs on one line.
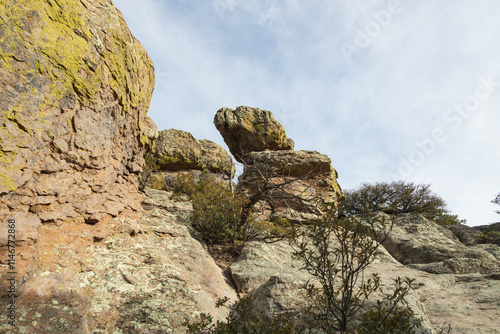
[[141, 272], [464, 295]]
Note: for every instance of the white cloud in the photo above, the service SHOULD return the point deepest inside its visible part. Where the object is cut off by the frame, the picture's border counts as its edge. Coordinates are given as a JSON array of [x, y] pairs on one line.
[[368, 111]]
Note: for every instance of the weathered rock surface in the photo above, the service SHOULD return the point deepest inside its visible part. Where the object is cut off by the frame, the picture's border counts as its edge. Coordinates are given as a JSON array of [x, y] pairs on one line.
[[308, 175], [177, 150], [419, 242], [139, 273], [149, 133], [465, 234], [247, 129], [468, 302], [75, 88]]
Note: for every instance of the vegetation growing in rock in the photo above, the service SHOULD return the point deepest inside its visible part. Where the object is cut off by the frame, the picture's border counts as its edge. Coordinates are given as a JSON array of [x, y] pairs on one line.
[[399, 197], [241, 321], [336, 252], [223, 217]]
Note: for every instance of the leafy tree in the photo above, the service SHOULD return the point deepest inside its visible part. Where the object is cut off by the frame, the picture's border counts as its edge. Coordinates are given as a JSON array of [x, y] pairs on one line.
[[398, 197]]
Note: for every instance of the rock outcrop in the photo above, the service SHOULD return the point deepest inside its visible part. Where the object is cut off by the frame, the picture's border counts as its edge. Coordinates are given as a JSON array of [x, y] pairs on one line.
[[420, 243], [307, 176], [141, 272], [246, 130], [76, 87], [177, 150], [290, 182]]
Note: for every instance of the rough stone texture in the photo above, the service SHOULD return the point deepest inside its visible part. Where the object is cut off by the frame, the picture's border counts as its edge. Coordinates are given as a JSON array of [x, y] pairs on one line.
[[418, 241], [139, 273], [469, 302], [247, 129], [178, 150], [149, 133], [75, 86], [465, 234], [310, 176]]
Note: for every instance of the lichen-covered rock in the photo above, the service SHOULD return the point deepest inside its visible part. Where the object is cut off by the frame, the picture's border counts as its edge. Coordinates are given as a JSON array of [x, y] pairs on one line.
[[307, 176], [75, 88], [178, 150], [141, 272], [246, 130], [419, 243]]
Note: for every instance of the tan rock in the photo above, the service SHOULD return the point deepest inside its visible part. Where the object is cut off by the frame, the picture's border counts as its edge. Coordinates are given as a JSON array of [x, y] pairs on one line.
[[307, 176], [178, 151], [139, 272], [246, 130], [467, 302], [420, 243], [75, 85]]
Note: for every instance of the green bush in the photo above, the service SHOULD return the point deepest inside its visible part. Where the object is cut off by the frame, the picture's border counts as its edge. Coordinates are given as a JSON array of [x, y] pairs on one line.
[[336, 252], [221, 216], [398, 197]]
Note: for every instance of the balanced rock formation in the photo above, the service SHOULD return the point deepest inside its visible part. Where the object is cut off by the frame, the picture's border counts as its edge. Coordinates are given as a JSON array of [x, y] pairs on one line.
[[246, 130], [294, 180], [177, 150]]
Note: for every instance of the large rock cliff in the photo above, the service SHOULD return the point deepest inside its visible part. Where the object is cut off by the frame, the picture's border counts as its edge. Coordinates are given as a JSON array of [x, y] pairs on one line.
[[76, 87]]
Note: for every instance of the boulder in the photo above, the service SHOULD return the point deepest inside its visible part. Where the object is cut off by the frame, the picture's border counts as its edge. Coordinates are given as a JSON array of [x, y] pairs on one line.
[[272, 278], [246, 130], [419, 242], [306, 176], [178, 150], [465, 234], [149, 133]]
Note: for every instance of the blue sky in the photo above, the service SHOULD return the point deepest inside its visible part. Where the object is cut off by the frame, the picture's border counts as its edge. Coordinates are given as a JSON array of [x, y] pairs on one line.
[[388, 90]]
